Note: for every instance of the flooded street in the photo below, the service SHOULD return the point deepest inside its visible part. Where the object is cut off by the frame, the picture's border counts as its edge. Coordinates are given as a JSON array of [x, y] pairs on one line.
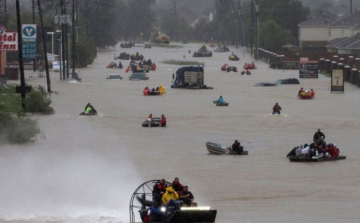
[[85, 169]]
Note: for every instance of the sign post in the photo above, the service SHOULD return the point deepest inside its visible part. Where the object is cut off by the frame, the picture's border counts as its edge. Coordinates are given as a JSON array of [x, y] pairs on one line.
[[337, 80], [308, 69]]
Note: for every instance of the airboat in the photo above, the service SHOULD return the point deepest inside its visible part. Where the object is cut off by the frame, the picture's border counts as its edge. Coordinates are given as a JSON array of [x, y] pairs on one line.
[[142, 199]]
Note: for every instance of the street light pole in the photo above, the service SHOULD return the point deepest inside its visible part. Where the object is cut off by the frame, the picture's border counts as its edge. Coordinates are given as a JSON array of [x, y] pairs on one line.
[[5, 14], [52, 42], [33, 20], [176, 23], [257, 31]]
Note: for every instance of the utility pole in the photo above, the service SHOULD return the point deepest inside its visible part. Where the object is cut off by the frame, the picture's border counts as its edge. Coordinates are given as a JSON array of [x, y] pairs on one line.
[[62, 37], [5, 14], [33, 21], [44, 46], [257, 29], [351, 6], [242, 25], [73, 38], [235, 23], [21, 61], [176, 23], [252, 28]]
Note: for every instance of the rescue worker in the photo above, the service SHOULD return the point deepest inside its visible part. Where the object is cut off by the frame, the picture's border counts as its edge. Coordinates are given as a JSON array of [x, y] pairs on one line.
[[159, 190], [163, 121], [176, 185], [312, 93], [171, 198], [220, 100], [300, 91], [146, 90], [89, 109], [162, 90], [317, 135], [276, 109]]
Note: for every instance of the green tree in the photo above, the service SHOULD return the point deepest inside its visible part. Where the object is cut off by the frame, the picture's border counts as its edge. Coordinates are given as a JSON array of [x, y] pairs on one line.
[[273, 36]]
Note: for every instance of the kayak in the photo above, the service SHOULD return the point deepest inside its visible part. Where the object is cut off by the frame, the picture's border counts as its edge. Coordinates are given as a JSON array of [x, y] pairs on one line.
[[219, 149], [220, 104], [314, 159]]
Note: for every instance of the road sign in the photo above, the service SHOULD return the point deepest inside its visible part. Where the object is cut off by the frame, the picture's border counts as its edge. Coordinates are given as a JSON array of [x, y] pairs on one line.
[[28, 35], [337, 80]]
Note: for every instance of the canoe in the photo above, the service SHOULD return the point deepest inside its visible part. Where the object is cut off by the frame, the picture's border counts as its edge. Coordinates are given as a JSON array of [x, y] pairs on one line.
[[218, 104], [304, 159], [219, 149]]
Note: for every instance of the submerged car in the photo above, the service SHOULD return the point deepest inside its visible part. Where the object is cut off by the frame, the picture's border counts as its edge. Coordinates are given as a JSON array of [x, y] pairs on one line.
[[138, 77], [265, 84], [288, 81], [114, 76]]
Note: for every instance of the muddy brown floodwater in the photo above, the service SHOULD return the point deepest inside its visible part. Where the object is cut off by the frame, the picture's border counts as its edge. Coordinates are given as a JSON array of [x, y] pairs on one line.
[[84, 169]]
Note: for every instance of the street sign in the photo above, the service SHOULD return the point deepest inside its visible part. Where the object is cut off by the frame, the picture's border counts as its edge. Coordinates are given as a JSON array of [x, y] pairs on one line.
[[308, 69], [8, 40], [337, 80], [28, 35]]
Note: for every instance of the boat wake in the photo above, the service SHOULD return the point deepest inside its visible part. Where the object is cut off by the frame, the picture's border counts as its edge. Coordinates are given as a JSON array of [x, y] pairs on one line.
[[276, 115]]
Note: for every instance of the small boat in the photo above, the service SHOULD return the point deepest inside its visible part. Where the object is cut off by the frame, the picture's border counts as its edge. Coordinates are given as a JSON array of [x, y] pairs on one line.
[[314, 159], [234, 58], [90, 114], [219, 149], [155, 123], [306, 96], [220, 104]]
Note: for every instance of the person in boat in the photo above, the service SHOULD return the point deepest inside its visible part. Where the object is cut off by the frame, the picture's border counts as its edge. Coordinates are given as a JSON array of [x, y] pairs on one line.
[[276, 109], [89, 109], [236, 147], [300, 91], [150, 119], [317, 135], [223, 67], [305, 151], [220, 100], [163, 121], [298, 150], [146, 90], [177, 186], [120, 65], [312, 93], [253, 65], [171, 198], [187, 197], [162, 89], [159, 190], [332, 150], [153, 66]]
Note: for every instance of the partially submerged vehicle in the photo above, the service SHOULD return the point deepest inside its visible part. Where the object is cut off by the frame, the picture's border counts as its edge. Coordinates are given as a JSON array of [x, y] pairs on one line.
[[314, 159], [265, 84], [114, 77], [138, 77], [287, 81], [222, 49], [189, 78], [219, 149], [124, 56], [148, 45], [126, 45], [143, 198], [202, 52], [154, 123], [216, 103]]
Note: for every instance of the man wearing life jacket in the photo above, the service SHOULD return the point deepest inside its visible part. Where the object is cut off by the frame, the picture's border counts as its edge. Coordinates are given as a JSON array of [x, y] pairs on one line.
[[176, 185], [223, 67], [300, 91], [159, 190], [312, 93], [332, 150], [89, 109]]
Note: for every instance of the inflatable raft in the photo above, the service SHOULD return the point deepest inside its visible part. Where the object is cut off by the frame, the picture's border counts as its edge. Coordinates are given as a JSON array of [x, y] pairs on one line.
[[314, 159], [215, 148]]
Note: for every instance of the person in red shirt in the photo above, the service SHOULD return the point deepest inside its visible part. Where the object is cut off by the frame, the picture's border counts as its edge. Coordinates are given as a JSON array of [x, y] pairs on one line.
[[163, 121], [146, 91], [312, 93]]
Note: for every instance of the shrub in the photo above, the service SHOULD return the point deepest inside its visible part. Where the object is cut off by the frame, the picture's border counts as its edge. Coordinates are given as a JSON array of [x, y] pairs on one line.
[[21, 130], [37, 101]]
